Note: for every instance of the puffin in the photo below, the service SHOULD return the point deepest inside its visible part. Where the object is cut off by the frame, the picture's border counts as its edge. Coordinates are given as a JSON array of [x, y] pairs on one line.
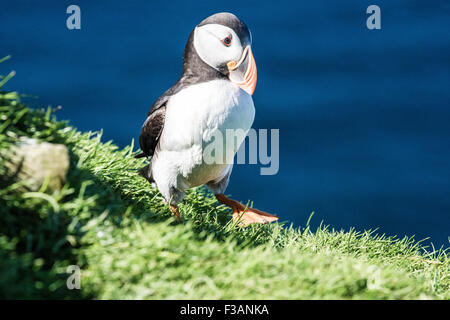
[[212, 96]]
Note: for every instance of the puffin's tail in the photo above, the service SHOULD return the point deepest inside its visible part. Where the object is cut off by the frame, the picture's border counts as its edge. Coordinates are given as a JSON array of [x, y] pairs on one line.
[[146, 172]]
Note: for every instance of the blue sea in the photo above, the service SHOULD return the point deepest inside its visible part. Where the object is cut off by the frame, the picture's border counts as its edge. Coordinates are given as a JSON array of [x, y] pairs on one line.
[[364, 115]]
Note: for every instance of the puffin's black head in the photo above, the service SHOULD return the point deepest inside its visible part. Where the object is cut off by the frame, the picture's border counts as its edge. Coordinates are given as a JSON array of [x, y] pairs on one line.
[[223, 43]]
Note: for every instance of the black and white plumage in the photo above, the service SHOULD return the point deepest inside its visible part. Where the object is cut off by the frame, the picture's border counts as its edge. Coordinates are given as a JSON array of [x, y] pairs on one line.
[[213, 94]]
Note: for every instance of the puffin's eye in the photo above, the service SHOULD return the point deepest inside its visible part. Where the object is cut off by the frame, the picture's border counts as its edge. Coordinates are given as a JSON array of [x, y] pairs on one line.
[[227, 41]]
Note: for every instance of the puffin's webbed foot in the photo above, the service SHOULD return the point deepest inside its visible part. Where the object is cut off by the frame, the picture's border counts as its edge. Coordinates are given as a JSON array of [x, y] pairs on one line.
[[243, 215]]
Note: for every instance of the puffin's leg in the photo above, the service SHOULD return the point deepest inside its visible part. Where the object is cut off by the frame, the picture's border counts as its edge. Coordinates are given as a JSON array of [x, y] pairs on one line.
[[245, 215], [175, 212]]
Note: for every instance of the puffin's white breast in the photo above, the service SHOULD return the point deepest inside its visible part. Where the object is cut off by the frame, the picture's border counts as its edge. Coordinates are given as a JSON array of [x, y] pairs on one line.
[[193, 117]]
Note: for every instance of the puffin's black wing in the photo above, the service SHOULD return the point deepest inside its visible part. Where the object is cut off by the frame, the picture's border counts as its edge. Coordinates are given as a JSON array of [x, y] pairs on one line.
[[151, 131], [152, 127]]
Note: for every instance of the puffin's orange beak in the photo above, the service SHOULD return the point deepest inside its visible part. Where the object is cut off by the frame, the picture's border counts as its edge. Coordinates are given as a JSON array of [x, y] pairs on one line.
[[243, 73]]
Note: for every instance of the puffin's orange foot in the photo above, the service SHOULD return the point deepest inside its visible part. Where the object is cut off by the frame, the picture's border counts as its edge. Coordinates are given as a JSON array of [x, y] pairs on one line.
[[250, 215], [175, 212], [243, 215]]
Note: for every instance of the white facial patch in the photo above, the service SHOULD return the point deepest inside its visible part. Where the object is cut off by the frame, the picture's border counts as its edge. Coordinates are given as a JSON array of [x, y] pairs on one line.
[[210, 48]]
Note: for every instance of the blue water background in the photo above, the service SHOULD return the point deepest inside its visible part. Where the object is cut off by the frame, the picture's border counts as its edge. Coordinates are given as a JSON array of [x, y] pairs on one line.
[[364, 116]]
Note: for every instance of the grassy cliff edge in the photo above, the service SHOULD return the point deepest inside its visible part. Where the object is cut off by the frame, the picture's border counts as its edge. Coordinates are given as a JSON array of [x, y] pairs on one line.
[[114, 226]]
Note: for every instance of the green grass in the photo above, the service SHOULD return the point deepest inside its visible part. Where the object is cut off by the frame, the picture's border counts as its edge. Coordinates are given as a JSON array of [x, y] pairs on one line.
[[114, 225]]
